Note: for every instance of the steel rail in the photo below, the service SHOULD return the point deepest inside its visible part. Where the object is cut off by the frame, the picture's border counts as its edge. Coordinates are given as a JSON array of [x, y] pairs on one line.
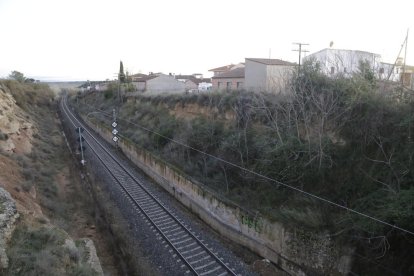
[[114, 159]]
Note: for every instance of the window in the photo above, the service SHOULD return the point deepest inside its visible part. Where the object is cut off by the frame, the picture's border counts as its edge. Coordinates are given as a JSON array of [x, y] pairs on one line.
[[228, 85], [345, 70], [239, 85], [381, 70], [218, 84], [332, 70]]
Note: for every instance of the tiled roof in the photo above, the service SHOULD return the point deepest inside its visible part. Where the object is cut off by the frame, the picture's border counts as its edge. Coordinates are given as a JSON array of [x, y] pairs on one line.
[[268, 61], [222, 68], [236, 73]]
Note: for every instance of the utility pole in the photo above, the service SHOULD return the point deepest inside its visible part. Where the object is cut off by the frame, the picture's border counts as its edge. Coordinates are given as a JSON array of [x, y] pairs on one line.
[[405, 57], [80, 139], [300, 50], [398, 56], [410, 97]]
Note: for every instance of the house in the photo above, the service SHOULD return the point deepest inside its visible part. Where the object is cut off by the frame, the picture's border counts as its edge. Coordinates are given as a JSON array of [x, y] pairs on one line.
[[344, 62], [267, 75], [157, 83], [194, 82], [347, 62], [232, 79], [205, 85], [388, 71], [140, 81]]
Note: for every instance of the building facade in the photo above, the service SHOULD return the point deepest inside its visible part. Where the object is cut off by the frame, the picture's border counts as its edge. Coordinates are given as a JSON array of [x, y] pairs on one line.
[[336, 62], [267, 75], [158, 84], [345, 62], [230, 80]]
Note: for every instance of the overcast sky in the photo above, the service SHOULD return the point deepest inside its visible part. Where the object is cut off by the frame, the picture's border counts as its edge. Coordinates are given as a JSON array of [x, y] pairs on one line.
[[86, 39]]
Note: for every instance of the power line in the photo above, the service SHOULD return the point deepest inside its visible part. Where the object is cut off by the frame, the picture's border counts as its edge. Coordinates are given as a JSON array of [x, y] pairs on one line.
[[260, 175]]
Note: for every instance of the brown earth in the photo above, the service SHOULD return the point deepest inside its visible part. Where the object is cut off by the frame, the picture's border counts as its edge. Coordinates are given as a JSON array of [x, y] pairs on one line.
[[82, 221], [75, 207], [10, 180]]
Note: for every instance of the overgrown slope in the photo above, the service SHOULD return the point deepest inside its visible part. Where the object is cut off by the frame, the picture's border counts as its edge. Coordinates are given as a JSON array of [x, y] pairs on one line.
[[33, 165], [348, 140]]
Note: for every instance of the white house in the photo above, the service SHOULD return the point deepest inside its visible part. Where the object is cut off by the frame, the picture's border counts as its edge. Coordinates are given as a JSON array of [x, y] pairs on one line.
[[337, 61], [267, 75], [346, 62], [205, 86]]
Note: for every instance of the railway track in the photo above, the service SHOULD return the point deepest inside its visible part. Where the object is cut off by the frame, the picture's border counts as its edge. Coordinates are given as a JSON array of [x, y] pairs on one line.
[[196, 256]]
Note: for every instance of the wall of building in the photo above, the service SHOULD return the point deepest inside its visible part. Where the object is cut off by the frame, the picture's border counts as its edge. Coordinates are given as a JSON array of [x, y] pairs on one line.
[[256, 76], [295, 250], [335, 61], [139, 86], [163, 84], [277, 78], [190, 85], [267, 78], [223, 83]]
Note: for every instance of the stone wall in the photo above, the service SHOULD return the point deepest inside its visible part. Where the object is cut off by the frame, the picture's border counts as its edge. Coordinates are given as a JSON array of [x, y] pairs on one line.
[[293, 249]]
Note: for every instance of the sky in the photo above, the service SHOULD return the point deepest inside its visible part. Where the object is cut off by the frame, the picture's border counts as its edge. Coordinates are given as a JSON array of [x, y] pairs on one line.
[[86, 39]]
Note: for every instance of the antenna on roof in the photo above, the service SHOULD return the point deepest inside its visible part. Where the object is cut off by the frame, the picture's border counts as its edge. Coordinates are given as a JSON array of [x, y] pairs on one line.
[[270, 53]]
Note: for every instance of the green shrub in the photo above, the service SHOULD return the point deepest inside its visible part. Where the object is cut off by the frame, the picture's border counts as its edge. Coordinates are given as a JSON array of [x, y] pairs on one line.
[[108, 94]]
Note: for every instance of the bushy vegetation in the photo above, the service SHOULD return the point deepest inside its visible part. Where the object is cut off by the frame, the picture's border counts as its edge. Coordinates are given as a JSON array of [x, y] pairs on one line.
[[345, 139], [29, 95], [42, 251], [37, 248]]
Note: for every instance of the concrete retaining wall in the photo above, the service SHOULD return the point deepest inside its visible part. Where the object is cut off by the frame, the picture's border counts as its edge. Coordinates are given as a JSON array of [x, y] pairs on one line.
[[295, 250]]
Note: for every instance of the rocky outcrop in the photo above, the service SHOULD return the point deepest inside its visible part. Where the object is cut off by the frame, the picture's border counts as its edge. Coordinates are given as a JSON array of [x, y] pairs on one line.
[[15, 129], [8, 217], [91, 257], [84, 251]]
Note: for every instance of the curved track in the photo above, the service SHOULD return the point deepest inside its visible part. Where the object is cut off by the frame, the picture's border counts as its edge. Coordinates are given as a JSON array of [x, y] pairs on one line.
[[198, 258]]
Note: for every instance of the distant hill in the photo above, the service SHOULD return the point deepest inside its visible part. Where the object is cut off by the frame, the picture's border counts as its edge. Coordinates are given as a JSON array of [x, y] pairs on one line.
[[58, 86]]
